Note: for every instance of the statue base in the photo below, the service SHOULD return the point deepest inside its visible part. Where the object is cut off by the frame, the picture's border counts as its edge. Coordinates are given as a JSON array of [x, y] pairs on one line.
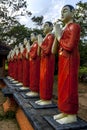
[[28, 97], [79, 125], [36, 106]]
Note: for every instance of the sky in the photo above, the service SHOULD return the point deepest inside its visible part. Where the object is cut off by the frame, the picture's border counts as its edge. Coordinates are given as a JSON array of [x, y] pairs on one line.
[[50, 9]]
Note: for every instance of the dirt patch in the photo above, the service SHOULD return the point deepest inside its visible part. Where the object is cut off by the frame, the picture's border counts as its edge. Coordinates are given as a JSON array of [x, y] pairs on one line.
[[9, 125], [7, 122], [82, 101]]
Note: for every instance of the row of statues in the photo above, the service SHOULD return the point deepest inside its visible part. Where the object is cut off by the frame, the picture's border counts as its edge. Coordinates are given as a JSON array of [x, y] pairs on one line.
[[33, 66]]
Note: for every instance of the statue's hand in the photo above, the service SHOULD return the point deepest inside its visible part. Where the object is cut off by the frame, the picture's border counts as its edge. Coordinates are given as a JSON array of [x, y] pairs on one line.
[[58, 31], [17, 52], [26, 55], [28, 44], [28, 49], [40, 39]]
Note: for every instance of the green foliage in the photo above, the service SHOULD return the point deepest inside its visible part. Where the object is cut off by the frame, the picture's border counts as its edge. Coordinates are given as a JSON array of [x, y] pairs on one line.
[[1, 117], [83, 70], [14, 6], [20, 32], [83, 74], [81, 18], [9, 10], [38, 20], [83, 54], [38, 31], [8, 115]]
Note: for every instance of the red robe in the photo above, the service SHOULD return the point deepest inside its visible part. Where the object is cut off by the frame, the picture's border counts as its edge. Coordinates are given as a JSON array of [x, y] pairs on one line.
[[15, 68], [12, 68], [68, 69], [47, 68], [25, 69], [20, 67], [34, 68]]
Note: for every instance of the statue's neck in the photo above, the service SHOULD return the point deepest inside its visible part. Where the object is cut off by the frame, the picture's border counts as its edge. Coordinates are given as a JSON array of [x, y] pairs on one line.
[[48, 33], [22, 50], [66, 24], [70, 21]]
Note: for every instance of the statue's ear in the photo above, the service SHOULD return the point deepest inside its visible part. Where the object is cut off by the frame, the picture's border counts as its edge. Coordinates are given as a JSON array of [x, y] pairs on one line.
[[51, 28], [73, 13]]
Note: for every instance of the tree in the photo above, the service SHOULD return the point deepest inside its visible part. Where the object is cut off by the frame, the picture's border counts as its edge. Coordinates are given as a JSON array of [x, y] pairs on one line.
[[38, 20], [17, 34], [13, 8], [81, 18], [9, 10]]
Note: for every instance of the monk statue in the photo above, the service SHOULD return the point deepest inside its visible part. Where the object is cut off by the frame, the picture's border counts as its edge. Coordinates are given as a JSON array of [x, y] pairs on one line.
[[16, 51], [12, 64], [20, 64], [25, 41], [68, 65], [46, 65], [34, 61], [25, 61]]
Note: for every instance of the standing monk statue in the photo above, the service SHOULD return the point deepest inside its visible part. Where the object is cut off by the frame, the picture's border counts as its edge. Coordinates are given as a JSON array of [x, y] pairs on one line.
[[68, 66], [9, 65], [34, 61], [46, 65], [20, 64], [15, 65], [25, 63]]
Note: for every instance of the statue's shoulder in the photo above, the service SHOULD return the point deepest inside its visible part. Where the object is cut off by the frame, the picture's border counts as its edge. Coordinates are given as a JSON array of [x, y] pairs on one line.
[[73, 26], [51, 35]]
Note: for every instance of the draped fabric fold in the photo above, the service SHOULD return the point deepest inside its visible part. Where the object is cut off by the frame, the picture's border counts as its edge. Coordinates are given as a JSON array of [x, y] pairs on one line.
[[25, 69], [47, 68], [68, 69], [20, 67], [34, 68]]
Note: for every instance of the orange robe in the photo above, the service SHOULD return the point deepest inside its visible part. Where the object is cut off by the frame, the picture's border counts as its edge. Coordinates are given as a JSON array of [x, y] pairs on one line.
[[68, 69], [20, 67], [34, 68], [25, 69], [47, 68]]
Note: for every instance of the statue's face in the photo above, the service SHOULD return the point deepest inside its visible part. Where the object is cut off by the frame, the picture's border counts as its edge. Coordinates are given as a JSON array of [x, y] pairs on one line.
[[46, 28], [33, 37], [16, 47], [17, 51], [66, 14], [25, 41]]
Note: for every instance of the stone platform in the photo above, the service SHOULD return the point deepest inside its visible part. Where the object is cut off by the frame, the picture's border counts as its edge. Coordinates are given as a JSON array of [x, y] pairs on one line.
[[42, 118]]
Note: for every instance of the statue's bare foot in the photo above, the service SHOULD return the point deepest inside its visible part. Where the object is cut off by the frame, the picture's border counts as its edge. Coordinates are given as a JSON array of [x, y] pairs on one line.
[[32, 94], [43, 102], [67, 119], [59, 116]]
